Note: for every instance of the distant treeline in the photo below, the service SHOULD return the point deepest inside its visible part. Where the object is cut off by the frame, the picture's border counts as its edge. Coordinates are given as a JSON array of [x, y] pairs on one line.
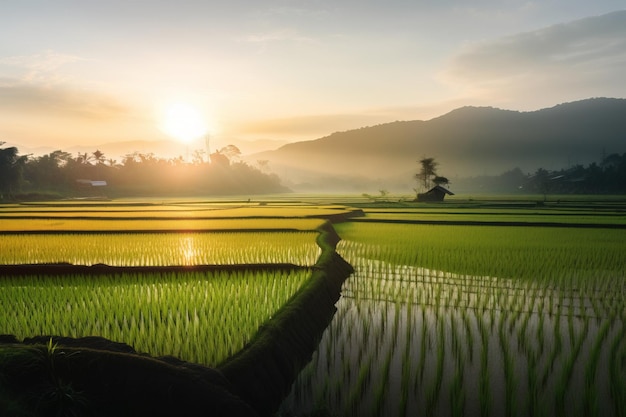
[[607, 177], [137, 174]]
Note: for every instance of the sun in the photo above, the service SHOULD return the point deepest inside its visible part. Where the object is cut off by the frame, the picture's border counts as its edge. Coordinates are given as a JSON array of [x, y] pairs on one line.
[[184, 122]]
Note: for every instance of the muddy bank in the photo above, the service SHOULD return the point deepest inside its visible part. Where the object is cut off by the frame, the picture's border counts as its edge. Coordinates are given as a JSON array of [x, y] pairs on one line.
[[96, 377], [264, 371], [102, 269]]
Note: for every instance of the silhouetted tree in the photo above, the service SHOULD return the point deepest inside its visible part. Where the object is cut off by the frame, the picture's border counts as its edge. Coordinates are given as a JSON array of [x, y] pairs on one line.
[[219, 159], [98, 157], [11, 169], [83, 158], [441, 181], [426, 174], [231, 152], [264, 164], [197, 157], [540, 182], [48, 172]]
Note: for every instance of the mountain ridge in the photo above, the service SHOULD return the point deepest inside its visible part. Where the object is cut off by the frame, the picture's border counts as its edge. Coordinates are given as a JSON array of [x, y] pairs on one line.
[[467, 141]]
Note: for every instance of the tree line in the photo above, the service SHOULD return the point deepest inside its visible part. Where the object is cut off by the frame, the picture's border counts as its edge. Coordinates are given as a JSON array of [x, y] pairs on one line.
[[605, 177], [62, 174]]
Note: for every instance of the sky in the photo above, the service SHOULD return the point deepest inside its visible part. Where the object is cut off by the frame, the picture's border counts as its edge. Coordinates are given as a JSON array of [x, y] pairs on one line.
[[261, 73]]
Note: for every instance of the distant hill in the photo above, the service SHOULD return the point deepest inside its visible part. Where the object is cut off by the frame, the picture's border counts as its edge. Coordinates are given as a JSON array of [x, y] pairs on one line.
[[468, 141]]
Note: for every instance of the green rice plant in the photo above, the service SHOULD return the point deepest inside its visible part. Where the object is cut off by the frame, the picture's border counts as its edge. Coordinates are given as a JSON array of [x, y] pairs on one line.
[[8, 225], [568, 369], [590, 397], [161, 249], [406, 364], [173, 211], [199, 317], [509, 367], [616, 366], [506, 252], [517, 293], [381, 389], [484, 389], [432, 394]]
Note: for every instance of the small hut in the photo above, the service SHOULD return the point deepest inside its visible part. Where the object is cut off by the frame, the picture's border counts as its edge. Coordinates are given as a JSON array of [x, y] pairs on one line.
[[437, 193], [91, 189]]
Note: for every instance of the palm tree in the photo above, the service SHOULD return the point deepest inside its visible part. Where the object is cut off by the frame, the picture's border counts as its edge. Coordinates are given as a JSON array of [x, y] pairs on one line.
[[98, 157]]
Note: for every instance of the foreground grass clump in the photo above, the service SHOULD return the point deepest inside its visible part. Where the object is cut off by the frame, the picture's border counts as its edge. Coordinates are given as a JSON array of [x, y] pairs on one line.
[[161, 249], [198, 317], [453, 321]]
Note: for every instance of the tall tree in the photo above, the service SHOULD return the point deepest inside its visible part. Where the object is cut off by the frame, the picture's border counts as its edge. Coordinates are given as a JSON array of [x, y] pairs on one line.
[[11, 168], [98, 157], [426, 174], [46, 172]]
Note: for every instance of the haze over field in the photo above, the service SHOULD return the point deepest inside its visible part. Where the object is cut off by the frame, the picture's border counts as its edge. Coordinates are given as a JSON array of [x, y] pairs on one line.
[[78, 75]]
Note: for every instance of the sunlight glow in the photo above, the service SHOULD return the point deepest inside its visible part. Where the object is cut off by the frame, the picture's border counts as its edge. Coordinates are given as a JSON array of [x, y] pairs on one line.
[[184, 122]]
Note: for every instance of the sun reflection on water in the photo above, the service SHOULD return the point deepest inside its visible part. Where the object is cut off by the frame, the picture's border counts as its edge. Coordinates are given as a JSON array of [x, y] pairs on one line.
[[187, 250]]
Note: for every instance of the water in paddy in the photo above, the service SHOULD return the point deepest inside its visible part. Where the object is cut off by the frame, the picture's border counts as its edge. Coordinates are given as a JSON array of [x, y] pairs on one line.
[[411, 341]]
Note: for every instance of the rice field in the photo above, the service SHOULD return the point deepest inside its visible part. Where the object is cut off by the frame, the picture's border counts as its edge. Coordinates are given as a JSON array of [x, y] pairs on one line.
[[161, 249], [492, 216], [436, 320], [173, 212], [535, 253], [198, 317], [475, 320], [201, 317], [68, 225]]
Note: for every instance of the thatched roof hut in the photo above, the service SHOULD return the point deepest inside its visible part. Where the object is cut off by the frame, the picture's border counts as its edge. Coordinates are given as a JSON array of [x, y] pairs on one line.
[[437, 193]]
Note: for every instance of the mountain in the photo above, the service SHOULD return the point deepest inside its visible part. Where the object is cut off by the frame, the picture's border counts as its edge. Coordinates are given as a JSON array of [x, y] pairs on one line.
[[466, 142]]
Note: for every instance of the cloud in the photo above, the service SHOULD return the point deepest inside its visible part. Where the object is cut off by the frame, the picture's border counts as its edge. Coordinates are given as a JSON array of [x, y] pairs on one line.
[[278, 35], [589, 53], [27, 98], [40, 67]]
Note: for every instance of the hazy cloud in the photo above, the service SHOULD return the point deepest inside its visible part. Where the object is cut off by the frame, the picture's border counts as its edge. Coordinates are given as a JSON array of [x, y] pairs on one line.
[[591, 50], [61, 101], [278, 35], [39, 67]]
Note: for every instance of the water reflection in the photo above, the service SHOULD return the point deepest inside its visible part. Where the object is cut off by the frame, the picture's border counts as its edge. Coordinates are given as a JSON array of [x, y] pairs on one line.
[[411, 341]]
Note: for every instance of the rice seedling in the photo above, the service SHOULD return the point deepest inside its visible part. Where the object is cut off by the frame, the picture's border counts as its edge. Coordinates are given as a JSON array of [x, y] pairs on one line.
[[530, 304], [161, 249], [199, 317], [60, 225]]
